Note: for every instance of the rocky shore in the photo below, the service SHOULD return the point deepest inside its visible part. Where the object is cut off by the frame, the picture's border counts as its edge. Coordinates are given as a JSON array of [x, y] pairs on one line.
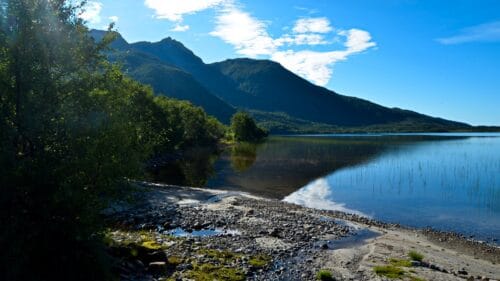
[[181, 233]]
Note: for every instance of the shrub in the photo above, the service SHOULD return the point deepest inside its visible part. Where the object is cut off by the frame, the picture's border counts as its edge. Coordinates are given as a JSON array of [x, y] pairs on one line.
[[389, 271], [415, 256], [325, 275]]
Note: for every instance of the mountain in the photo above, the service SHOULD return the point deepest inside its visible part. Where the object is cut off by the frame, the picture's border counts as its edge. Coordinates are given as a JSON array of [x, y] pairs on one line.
[[280, 100], [269, 87], [164, 76]]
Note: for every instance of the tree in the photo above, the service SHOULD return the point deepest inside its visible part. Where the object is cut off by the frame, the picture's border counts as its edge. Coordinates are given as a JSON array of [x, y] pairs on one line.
[[244, 128], [69, 137], [73, 129]]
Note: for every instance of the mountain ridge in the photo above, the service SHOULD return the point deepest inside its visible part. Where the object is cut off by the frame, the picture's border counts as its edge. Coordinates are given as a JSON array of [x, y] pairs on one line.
[[262, 87]]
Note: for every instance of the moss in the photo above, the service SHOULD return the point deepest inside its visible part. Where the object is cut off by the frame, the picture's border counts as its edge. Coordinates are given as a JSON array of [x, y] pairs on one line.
[[324, 275], [210, 272], [400, 262], [221, 256], [174, 260], [389, 271], [415, 256], [259, 261], [151, 245]]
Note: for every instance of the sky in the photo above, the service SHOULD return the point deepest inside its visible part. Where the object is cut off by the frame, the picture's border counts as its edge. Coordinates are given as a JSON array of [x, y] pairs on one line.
[[440, 58]]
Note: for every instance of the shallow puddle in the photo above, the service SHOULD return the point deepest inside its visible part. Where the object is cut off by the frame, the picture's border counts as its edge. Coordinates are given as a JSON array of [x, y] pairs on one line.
[[356, 238], [180, 232]]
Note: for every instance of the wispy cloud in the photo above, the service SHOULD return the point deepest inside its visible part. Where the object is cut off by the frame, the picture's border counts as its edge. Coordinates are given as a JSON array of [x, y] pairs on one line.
[[92, 12], [247, 34], [318, 66], [114, 18], [301, 39], [180, 28], [314, 25], [486, 32], [250, 37], [174, 10]]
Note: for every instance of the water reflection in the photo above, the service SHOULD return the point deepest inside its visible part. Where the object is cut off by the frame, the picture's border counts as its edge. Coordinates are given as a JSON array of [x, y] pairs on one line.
[[243, 156], [448, 181], [193, 168]]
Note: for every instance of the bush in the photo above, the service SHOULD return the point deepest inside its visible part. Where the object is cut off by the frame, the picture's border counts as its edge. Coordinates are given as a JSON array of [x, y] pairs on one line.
[[244, 128], [325, 275], [415, 256]]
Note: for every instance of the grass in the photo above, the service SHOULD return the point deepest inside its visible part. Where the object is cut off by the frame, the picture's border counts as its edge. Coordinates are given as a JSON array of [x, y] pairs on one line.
[[174, 260], [400, 262], [389, 271], [151, 245], [210, 272], [324, 275], [259, 261], [221, 256], [415, 256]]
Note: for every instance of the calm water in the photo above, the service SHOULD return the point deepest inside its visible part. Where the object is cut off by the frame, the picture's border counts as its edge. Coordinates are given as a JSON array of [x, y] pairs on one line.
[[445, 181]]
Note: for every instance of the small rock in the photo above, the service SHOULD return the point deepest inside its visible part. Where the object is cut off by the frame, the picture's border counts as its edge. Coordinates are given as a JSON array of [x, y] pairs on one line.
[[463, 272], [157, 267]]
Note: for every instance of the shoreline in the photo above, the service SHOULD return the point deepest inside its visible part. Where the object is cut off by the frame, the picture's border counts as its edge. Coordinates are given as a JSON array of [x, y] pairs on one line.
[[297, 242]]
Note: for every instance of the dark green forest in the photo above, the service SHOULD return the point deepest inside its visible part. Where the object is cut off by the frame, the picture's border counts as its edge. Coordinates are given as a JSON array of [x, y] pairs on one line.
[[74, 130]]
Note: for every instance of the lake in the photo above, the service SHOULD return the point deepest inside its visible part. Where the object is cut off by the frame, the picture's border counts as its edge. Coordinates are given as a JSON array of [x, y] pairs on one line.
[[448, 182]]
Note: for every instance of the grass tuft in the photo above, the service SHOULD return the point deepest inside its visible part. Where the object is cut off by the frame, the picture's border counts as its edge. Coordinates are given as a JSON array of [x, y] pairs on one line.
[[259, 261], [389, 271], [415, 256], [400, 262], [210, 272], [324, 275]]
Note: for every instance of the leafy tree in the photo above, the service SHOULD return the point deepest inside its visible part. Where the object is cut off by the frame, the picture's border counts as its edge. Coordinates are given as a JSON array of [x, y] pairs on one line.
[[244, 128], [73, 128]]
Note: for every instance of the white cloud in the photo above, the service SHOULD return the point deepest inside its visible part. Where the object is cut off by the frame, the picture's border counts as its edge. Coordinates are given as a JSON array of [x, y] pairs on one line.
[[92, 12], [318, 66], [314, 66], [301, 39], [174, 10], [180, 28], [247, 34], [487, 32], [114, 18], [357, 40], [314, 25]]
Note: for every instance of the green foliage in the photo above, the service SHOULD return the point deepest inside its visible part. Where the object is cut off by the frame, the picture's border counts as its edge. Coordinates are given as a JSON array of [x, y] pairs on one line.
[[243, 155], [415, 256], [389, 271], [73, 129], [400, 262], [244, 128], [210, 272], [259, 261], [324, 275]]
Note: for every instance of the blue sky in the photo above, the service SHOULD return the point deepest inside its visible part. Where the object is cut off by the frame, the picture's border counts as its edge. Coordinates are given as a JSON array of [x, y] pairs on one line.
[[440, 58]]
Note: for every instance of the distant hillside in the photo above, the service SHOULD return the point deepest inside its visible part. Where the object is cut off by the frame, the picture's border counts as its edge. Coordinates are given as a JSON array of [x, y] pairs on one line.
[[280, 100], [267, 86], [166, 78]]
